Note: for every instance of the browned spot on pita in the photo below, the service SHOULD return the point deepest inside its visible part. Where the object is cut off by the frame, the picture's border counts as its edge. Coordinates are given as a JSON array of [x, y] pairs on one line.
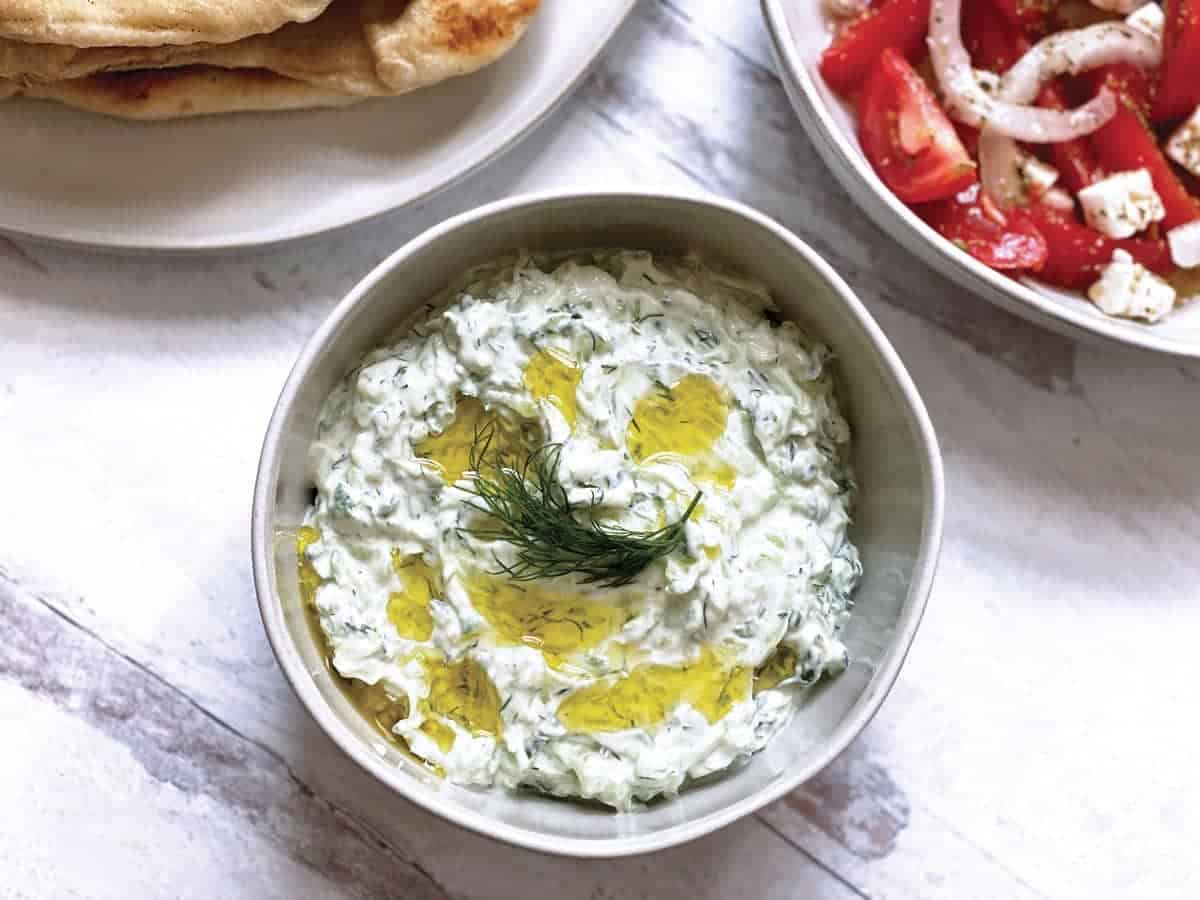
[[474, 32]]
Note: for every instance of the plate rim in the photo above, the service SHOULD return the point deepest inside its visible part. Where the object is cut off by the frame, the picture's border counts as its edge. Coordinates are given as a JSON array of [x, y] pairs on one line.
[[897, 221], [217, 245]]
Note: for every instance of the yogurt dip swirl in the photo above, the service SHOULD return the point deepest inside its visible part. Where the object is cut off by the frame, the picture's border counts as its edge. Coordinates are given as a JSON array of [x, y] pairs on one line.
[[654, 380]]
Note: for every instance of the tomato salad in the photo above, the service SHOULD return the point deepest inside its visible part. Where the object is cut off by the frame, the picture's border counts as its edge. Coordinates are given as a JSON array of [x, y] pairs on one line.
[[1057, 139]]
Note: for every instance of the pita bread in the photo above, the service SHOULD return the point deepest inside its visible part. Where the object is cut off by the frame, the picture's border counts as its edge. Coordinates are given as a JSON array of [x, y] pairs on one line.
[[365, 47], [147, 23], [178, 93]]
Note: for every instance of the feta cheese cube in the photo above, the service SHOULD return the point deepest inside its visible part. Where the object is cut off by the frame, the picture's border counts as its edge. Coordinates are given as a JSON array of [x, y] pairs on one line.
[[1184, 241], [1130, 290], [1124, 7], [1184, 145], [1149, 19], [1123, 204]]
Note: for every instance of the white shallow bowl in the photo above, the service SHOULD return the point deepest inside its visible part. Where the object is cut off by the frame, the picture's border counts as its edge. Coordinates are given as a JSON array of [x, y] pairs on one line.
[[897, 529], [799, 32]]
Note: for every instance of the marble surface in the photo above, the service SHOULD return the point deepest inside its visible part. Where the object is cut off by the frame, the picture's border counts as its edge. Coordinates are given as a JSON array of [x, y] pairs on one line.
[[1040, 742]]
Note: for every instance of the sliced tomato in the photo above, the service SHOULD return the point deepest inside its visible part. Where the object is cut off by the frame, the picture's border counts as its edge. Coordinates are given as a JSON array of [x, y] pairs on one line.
[[1179, 79], [1135, 86], [1078, 253], [1030, 16], [909, 141], [848, 61], [992, 42], [1075, 160], [1126, 142], [1008, 240], [969, 135]]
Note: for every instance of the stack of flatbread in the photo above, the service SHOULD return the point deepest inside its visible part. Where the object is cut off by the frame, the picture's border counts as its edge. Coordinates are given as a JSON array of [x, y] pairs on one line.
[[163, 59]]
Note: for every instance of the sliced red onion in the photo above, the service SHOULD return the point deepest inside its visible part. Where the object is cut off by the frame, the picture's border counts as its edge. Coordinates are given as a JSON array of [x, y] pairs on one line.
[[999, 168], [1075, 51], [971, 104]]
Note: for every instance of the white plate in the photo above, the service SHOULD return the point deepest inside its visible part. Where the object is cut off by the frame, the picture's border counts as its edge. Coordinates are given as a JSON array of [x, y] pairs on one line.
[[251, 179], [799, 32]]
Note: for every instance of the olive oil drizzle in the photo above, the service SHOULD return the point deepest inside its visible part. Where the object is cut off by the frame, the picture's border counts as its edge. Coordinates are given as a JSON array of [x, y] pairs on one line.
[[779, 665], [682, 423], [462, 691], [450, 450], [309, 579], [408, 608], [557, 623], [685, 419], [649, 693], [553, 377]]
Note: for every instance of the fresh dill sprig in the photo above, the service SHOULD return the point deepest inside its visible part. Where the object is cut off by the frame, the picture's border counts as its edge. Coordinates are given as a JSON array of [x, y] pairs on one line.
[[530, 510]]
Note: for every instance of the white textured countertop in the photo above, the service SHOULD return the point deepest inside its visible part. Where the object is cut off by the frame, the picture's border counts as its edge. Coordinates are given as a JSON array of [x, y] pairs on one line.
[[1041, 741]]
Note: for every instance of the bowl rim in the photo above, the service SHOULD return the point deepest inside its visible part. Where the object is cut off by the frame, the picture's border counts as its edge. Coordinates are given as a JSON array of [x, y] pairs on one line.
[[872, 196], [860, 714]]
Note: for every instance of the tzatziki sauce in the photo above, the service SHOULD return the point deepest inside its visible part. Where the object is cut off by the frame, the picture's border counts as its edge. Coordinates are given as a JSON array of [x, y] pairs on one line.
[[655, 385]]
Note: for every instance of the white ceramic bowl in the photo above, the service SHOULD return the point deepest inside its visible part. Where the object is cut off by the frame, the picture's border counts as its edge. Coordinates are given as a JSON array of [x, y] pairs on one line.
[[898, 527], [799, 32]]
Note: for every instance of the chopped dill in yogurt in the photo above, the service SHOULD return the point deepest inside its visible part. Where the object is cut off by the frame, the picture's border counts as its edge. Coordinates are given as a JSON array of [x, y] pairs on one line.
[[673, 402]]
